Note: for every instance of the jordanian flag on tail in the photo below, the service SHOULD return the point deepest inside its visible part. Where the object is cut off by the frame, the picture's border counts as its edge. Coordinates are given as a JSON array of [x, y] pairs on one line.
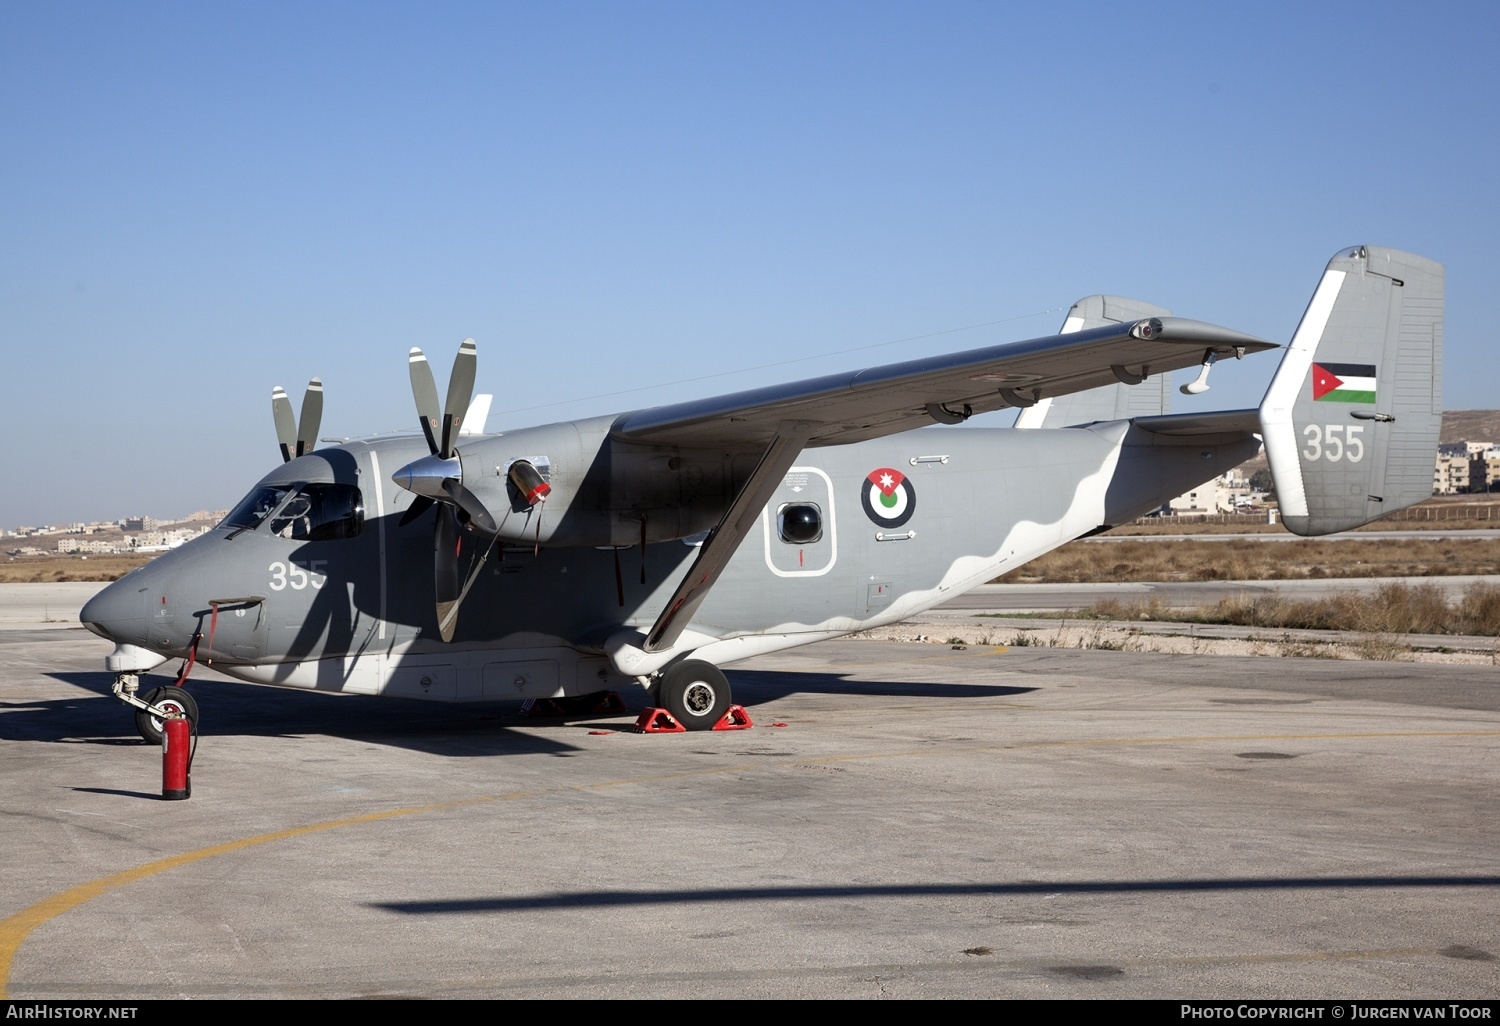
[[1343, 382]]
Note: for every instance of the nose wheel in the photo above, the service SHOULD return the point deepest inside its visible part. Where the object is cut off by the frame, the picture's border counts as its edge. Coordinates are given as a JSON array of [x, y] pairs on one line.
[[171, 699]]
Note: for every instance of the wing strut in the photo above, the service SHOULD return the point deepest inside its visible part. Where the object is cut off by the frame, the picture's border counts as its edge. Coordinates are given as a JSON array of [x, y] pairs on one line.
[[790, 439]]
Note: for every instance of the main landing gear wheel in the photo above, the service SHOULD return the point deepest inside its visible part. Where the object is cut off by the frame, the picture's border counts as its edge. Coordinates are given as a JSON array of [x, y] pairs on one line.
[[695, 693], [170, 698]]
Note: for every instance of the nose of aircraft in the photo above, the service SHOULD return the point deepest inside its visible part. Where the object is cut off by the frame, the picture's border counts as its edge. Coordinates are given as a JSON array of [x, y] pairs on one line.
[[117, 613]]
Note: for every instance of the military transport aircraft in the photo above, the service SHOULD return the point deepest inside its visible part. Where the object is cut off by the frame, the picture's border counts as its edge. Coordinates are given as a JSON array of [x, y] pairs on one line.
[[658, 545]]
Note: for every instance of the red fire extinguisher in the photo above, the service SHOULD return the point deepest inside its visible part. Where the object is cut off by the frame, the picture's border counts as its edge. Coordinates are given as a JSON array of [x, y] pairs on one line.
[[176, 756]]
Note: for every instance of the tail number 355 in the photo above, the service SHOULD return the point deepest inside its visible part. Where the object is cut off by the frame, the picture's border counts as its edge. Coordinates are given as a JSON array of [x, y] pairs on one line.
[[1334, 442]]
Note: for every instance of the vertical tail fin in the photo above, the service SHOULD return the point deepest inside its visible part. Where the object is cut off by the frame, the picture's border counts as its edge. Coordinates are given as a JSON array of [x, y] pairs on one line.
[[1110, 402], [1351, 419]]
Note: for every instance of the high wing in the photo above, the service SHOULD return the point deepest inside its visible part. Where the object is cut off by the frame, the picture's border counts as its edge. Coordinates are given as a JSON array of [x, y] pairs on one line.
[[778, 422], [841, 408]]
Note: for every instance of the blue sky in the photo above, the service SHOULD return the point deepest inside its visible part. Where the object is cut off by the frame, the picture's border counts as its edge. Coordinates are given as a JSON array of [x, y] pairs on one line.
[[617, 200]]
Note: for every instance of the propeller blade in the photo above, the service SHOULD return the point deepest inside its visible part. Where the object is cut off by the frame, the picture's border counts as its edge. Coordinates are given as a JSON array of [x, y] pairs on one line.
[[419, 505], [447, 581], [437, 479], [460, 391], [470, 504], [312, 417], [455, 571], [424, 391], [286, 424]]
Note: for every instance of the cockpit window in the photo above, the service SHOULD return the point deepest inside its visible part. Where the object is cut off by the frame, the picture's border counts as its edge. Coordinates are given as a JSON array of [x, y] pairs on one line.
[[247, 516], [320, 512], [304, 512]]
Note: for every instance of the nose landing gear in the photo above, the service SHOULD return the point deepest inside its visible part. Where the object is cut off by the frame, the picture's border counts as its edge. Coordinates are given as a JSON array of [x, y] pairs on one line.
[[163, 701], [155, 706]]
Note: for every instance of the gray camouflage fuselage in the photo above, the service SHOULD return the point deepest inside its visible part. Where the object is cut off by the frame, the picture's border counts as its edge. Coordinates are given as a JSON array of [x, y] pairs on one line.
[[356, 613]]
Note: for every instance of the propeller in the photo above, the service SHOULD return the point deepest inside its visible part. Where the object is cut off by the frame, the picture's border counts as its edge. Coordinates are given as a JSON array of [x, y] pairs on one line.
[[437, 480], [439, 477], [293, 442]]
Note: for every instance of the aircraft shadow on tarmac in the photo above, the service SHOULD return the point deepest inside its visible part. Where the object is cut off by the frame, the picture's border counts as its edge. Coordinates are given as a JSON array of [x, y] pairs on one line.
[[245, 710], [608, 899], [477, 729], [754, 687]]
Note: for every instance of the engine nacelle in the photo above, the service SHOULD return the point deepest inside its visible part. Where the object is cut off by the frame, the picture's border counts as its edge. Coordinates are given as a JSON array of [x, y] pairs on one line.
[[574, 485]]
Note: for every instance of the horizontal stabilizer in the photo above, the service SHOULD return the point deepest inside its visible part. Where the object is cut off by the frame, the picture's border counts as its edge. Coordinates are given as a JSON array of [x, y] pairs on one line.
[[1192, 425], [1139, 393], [479, 412]]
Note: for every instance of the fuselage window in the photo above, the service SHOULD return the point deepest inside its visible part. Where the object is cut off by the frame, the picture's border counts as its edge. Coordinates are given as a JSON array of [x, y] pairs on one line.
[[799, 523]]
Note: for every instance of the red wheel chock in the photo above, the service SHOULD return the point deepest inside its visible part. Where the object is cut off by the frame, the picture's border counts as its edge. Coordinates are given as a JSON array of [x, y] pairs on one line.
[[658, 721], [735, 719], [609, 704]]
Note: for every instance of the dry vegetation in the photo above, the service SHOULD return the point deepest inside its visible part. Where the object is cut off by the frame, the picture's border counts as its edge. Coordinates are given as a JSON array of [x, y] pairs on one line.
[[1252, 560], [49, 569], [1446, 513], [1393, 608]]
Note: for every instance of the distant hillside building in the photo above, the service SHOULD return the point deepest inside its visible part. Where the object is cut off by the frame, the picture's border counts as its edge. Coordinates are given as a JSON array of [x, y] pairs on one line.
[[1484, 471], [1466, 449], [1466, 467], [1228, 493], [94, 547], [1451, 475]]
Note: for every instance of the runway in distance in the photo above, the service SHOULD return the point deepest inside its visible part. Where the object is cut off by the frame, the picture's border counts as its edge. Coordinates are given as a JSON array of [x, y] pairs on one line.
[[659, 545]]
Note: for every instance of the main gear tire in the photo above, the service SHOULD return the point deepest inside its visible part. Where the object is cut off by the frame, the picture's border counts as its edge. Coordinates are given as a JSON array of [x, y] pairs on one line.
[[696, 693]]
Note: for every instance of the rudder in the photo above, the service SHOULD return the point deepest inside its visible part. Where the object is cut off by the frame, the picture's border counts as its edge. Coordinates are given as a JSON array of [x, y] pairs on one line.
[[1351, 419]]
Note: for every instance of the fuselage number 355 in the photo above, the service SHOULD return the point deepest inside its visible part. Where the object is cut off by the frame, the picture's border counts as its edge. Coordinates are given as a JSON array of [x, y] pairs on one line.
[[290, 575]]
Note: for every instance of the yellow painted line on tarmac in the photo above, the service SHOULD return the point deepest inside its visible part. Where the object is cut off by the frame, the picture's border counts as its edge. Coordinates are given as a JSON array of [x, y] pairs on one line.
[[16, 928]]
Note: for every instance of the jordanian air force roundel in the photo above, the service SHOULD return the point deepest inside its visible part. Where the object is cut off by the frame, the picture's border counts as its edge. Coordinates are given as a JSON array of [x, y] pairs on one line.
[[888, 497]]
